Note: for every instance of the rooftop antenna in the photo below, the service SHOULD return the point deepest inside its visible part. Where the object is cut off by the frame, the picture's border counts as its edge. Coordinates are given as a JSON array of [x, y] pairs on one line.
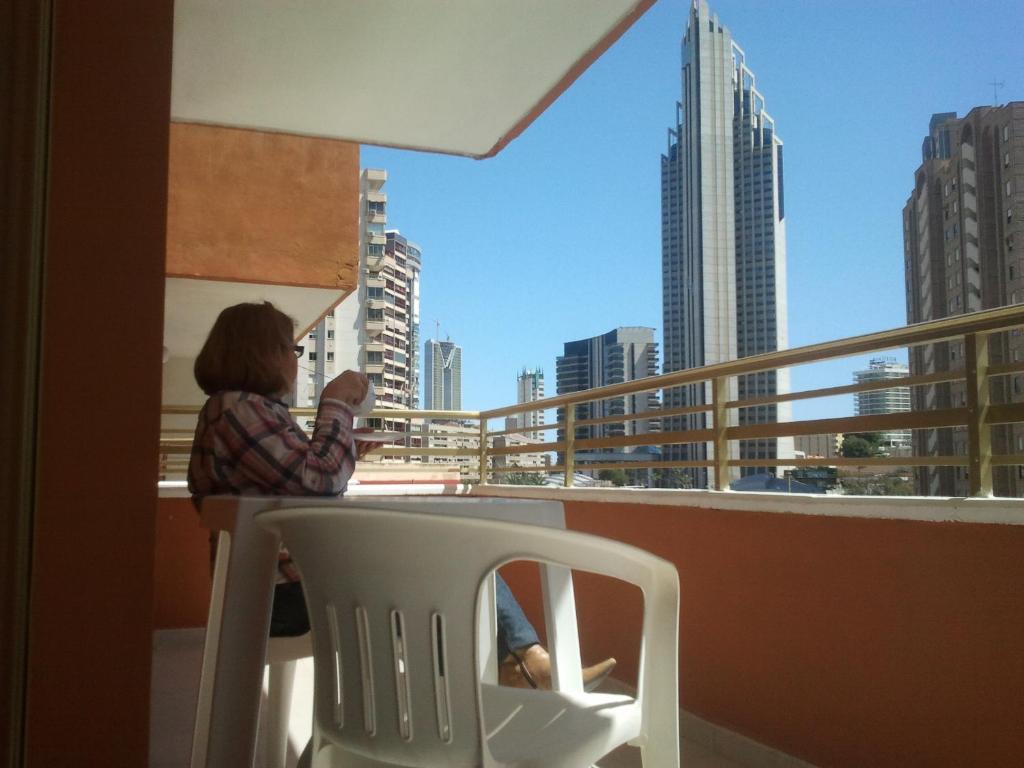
[[996, 85], [437, 330]]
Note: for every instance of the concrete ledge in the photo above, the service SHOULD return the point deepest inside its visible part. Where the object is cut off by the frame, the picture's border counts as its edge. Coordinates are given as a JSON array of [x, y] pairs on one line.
[[920, 508]]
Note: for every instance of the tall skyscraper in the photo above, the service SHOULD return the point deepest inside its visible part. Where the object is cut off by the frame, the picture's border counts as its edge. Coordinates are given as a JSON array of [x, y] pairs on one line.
[[393, 293], [879, 401], [529, 387], [723, 237], [375, 329], [620, 355], [963, 246], [442, 376]]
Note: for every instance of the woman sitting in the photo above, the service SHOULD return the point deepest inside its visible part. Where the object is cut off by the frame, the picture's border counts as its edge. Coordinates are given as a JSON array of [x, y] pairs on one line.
[[247, 443]]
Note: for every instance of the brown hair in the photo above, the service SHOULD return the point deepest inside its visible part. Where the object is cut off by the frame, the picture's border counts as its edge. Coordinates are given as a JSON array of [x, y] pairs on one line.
[[244, 350]]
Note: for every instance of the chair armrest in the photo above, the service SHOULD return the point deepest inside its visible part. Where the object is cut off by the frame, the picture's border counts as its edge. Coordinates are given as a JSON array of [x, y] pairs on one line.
[[658, 680]]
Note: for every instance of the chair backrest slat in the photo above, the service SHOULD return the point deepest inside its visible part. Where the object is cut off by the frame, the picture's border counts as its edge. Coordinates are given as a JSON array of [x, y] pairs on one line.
[[389, 625]]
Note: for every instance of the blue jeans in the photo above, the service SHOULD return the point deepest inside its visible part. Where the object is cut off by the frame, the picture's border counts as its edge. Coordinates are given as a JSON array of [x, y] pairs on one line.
[[289, 618], [514, 630]]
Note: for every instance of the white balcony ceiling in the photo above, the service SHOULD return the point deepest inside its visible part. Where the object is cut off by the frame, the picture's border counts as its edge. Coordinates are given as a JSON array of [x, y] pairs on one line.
[[191, 306], [455, 76]]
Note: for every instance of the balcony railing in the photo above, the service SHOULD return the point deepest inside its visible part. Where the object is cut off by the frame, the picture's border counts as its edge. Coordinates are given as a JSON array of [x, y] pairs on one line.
[[977, 416]]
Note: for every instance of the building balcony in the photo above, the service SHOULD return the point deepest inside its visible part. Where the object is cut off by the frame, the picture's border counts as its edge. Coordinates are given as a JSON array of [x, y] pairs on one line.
[[815, 629]]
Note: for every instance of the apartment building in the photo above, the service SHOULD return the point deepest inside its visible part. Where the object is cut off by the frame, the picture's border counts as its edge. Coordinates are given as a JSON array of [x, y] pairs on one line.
[[623, 354], [878, 401], [963, 252]]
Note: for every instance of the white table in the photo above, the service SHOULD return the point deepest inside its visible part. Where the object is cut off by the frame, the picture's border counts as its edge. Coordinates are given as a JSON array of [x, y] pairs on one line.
[[227, 711]]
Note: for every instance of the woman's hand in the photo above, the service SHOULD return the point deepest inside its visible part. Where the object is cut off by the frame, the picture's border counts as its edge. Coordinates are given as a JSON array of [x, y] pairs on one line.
[[350, 388], [363, 447]]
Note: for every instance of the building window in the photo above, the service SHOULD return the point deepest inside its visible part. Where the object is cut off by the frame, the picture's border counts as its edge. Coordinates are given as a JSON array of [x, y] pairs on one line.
[[1009, 188], [312, 335], [330, 334], [330, 357], [312, 357], [1006, 160]]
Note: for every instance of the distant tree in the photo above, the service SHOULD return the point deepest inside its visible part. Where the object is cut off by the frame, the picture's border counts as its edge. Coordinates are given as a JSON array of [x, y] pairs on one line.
[[877, 485], [523, 478], [616, 477], [671, 477], [862, 445]]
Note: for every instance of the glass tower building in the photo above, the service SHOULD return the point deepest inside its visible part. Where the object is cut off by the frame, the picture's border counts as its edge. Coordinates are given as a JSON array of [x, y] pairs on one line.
[[442, 376], [723, 241]]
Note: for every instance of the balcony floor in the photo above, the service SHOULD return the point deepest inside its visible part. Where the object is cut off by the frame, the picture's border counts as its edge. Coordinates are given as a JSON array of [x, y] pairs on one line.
[[177, 657]]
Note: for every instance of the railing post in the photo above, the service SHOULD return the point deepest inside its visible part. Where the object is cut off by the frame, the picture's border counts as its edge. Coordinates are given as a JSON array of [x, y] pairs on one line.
[[719, 397], [570, 444], [979, 434], [483, 451]]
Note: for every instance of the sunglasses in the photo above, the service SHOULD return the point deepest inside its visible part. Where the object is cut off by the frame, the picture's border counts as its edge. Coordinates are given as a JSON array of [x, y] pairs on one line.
[[299, 350]]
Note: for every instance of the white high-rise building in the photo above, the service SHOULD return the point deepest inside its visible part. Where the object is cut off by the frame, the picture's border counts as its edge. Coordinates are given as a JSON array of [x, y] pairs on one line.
[[723, 238], [878, 401], [442, 376], [529, 388], [375, 329]]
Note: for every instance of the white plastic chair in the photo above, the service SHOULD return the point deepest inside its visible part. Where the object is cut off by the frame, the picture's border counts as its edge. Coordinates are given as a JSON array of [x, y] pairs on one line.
[[394, 608], [282, 655], [236, 646]]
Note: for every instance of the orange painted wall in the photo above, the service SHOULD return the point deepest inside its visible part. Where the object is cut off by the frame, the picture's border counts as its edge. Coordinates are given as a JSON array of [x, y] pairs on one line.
[[181, 571], [262, 207], [91, 600], [846, 642]]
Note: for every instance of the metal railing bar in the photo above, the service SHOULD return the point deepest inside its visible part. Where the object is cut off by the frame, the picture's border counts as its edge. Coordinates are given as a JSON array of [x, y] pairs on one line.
[[856, 461], [846, 389], [642, 464], [999, 319], [1007, 459], [945, 417], [689, 409], [403, 451], [391, 414], [620, 419], [1005, 369], [527, 430], [528, 448], [1008, 413], [531, 468], [656, 438]]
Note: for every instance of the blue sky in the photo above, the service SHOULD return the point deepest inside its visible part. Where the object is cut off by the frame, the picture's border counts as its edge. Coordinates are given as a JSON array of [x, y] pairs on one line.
[[558, 237]]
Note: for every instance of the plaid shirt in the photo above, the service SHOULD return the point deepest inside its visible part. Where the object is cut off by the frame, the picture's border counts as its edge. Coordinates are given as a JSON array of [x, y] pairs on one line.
[[247, 444]]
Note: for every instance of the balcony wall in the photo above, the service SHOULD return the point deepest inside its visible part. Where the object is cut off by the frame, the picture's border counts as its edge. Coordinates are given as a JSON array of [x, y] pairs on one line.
[[843, 631], [846, 632]]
